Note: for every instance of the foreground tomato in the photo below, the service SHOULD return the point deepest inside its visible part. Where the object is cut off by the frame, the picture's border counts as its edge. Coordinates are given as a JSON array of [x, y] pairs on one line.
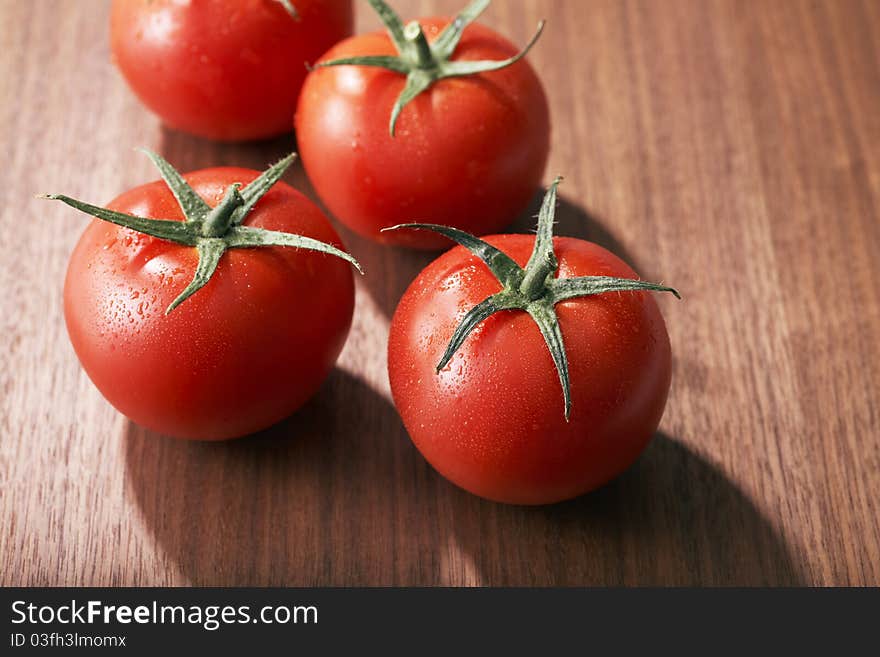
[[223, 69], [250, 338], [469, 129], [513, 415]]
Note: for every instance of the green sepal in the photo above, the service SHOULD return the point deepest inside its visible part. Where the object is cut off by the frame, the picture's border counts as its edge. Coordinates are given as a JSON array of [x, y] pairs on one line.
[[425, 63], [391, 21], [499, 263], [472, 67], [257, 188], [164, 229], [444, 45], [210, 249], [542, 263], [533, 289], [212, 231], [545, 317], [390, 62], [416, 82], [246, 237], [194, 206], [562, 289], [470, 321], [543, 249]]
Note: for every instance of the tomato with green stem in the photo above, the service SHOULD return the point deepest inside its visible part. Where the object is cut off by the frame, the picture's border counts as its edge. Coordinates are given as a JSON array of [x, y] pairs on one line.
[[439, 121], [529, 369], [208, 305], [229, 70]]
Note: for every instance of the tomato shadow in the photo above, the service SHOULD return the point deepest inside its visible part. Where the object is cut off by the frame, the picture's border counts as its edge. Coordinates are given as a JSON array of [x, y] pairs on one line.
[[337, 496], [189, 153], [308, 501], [671, 519]]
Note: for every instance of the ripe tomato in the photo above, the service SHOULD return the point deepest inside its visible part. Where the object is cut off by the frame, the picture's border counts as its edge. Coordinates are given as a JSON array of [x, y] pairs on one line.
[[223, 69], [492, 420], [468, 151], [238, 355]]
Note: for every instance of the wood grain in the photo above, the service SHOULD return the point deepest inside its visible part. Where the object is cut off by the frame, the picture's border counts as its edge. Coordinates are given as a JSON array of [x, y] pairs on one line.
[[730, 148]]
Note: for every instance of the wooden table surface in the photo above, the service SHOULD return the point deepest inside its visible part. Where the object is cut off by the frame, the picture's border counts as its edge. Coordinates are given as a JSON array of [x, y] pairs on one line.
[[729, 148]]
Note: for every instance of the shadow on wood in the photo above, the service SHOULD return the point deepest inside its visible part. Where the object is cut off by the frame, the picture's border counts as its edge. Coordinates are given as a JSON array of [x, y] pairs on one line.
[[311, 502], [307, 501], [671, 519], [188, 153]]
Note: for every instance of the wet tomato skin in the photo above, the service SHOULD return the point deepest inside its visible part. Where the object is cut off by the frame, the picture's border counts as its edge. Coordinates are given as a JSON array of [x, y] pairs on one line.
[[240, 354], [469, 152], [492, 420], [229, 70]]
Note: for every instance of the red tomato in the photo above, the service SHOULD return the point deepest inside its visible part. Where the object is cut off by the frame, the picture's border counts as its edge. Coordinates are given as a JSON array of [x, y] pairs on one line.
[[468, 152], [240, 354], [223, 69], [492, 420]]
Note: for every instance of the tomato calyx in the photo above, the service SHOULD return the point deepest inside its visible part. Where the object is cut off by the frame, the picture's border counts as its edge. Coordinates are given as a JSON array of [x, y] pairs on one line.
[[212, 231], [425, 63], [533, 288]]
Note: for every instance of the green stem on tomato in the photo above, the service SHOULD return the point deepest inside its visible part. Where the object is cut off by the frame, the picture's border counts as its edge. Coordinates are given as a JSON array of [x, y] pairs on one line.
[[425, 63], [415, 36], [533, 289], [219, 219], [212, 231]]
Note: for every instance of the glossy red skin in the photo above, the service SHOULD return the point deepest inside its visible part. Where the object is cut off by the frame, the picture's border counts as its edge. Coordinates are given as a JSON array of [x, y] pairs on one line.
[[228, 70], [243, 352], [492, 421], [468, 152]]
